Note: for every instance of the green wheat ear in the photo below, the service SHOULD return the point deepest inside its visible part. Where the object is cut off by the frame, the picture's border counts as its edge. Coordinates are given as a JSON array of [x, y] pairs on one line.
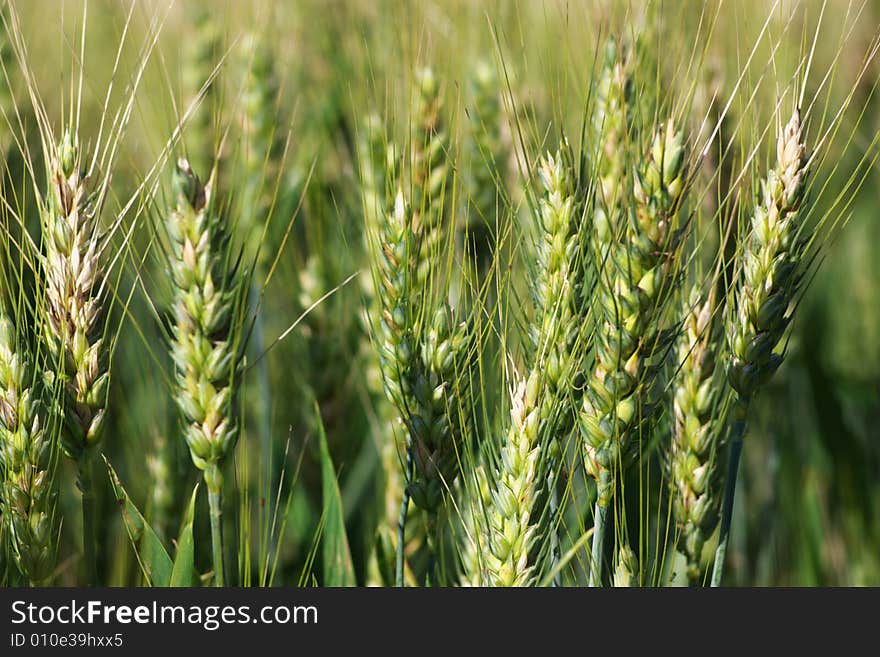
[[74, 307], [263, 148], [204, 352], [698, 433], [28, 492], [539, 416], [429, 170], [208, 288], [773, 266], [636, 275], [488, 153]]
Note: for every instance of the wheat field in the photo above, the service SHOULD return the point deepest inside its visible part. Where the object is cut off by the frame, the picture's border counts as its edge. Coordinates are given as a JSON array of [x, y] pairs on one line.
[[446, 293]]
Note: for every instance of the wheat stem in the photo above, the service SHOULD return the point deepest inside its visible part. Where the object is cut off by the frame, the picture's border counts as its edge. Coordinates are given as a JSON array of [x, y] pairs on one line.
[[600, 518], [401, 521], [738, 430], [215, 504], [90, 546]]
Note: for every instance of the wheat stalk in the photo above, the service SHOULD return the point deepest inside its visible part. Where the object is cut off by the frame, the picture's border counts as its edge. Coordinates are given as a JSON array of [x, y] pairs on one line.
[[772, 273], [207, 284], [694, 458], [73, 313], [26, 459], [636, 263], [539, 414]]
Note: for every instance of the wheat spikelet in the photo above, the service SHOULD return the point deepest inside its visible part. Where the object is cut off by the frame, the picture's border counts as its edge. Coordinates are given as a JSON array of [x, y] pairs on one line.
[[626, 570]]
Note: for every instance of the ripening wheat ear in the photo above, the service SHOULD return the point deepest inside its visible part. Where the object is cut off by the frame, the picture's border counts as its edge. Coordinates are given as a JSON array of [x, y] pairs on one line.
[[539, 416], [207, 286], [377, 168], [512, 530], [636, 273], [773, 262], [698, 431], [73, 317], [425, 371], [26, 459], [393, 264]]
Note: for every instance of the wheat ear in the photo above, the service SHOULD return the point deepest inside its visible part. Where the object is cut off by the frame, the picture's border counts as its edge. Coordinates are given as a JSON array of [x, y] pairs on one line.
[[539, 405], [206, 357], [487, 155], [695, 452], [74, 330], [636, 264], [26, 460], [773, 260]]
